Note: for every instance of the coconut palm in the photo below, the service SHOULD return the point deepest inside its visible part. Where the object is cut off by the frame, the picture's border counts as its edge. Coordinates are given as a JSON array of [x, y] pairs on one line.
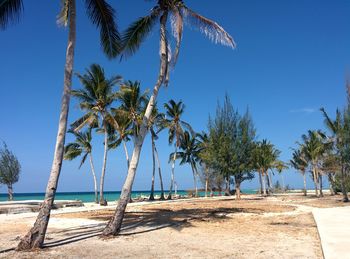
[[299, 162], [314, 148], [132, 39], [337, 129], [280, 166], [174, 124], [265, 156], [154, 122], [95, 98], [189, 154], [82, 146], [101, 14], [203, 144]]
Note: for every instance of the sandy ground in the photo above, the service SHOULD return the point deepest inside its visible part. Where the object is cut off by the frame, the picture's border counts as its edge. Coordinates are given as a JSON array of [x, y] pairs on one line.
[[275, 227]]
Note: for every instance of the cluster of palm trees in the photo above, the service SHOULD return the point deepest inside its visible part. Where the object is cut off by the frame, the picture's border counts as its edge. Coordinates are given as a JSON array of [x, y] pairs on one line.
[[113, 44], [325, 154]]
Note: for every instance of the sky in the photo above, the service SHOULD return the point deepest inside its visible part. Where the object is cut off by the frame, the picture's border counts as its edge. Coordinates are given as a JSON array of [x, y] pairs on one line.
[[292, 58]]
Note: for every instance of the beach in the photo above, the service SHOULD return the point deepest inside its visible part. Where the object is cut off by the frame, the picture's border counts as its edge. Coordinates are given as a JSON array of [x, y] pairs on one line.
[[280, 226]]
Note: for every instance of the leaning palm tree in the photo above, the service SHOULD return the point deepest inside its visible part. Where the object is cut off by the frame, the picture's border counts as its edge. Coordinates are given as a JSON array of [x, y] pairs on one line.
[[299, 163], [95, 99], [175, 126], [82, 146], [132, 39], [101, 15], [189, 154]]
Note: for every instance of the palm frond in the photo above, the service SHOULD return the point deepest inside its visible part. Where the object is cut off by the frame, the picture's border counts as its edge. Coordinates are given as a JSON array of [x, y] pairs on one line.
[[177, 30], [63, 16], [10, 12], [83, 160], [208, 27], [102, 15], [137, 33], [71, 151], [328, 122]]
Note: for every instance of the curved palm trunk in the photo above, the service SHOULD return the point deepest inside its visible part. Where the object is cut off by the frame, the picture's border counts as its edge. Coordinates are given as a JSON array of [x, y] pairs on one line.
[[114, 225], [95, 180], [172, 174], [162, 197], [10, 192], [206, 181], [227, 189], [35, 237], [304, 178], [151, 197], [321, 185], [343, 188], [102, 178]]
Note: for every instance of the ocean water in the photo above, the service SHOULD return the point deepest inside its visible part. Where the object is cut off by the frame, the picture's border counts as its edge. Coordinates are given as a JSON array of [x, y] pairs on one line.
[[89, 196]]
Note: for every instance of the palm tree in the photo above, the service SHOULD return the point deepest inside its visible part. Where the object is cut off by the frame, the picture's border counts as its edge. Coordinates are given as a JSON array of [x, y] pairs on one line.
[[314, 148], [280, 166], [96, 98], [101, 15], [175, 126], [154, 122], [299, 163], [265, 156], [82, 146], [188, 155], [337, 129], [203, 144], [132, 39]]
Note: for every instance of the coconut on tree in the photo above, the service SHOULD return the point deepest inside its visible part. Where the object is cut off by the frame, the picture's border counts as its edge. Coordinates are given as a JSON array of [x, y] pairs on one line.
[[132, 40], [102, 15], [82, 146]]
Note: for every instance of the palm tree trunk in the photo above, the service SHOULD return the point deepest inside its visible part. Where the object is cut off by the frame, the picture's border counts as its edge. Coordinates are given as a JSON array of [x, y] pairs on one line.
[[104, 164], [261, 184], [283, 187], [162, 197], [194, 180], [304, 178], [151, 197], [94, 176], [269, 182], [172, 174], [315, 179], [321, 185], [10, 192], [114, 225], [343, 188], [126, 154], [35, 237], [206, 181]]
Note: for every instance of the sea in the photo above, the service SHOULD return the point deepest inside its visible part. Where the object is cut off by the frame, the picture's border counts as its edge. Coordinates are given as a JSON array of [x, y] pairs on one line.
[[109, 195]]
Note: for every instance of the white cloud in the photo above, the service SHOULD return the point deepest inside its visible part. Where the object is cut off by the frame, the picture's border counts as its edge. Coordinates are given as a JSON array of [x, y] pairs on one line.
[[304, 110]]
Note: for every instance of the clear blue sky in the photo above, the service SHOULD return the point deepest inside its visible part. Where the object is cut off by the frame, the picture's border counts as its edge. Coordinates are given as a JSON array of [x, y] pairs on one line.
[[292, 58]]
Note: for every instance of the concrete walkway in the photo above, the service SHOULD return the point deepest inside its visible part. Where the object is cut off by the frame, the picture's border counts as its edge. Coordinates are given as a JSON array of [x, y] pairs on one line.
[[333, 225]]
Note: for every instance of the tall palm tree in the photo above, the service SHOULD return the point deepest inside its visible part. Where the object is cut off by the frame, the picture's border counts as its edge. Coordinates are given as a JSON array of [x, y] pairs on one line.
[[102, 15], [189, 154], [299, 163], [174, 124], [155, 122], [132, 39], [337, 129], [95, 98], [82, 146]]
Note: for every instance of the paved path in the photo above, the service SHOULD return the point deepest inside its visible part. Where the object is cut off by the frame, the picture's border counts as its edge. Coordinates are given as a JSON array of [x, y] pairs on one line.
[[333, 225]]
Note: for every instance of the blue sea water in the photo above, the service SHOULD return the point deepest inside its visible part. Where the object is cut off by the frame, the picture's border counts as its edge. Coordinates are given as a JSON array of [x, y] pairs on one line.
[[89, 196]]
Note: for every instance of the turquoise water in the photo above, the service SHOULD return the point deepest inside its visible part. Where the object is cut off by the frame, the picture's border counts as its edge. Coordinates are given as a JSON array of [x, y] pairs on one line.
[[89, 196]]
